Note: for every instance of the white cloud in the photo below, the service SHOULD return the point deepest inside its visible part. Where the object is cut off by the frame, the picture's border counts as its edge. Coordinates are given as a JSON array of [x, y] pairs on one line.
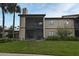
[[62, 9], [53, 10]]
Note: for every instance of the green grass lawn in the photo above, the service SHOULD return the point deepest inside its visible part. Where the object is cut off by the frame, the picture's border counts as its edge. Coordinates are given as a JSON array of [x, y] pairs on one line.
[[41, 47]]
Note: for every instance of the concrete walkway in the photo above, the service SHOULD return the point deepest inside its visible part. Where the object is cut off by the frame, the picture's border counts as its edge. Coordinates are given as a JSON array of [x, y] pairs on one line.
[[15, 54]]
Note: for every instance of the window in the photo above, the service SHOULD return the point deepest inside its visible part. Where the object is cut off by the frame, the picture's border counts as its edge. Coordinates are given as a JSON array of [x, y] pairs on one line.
[[51, 21], [40, 23], [67, 22], [50, 33]]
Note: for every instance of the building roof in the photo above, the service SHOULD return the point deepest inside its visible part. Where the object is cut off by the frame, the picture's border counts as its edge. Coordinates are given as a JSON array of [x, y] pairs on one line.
[[63, 17], [31, 15], [71, 16], [59, 18]]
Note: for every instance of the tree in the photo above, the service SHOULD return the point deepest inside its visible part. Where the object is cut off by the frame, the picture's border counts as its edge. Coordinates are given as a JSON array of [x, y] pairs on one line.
[[0, 31], [10, 32], [14, 8], [3, 6]]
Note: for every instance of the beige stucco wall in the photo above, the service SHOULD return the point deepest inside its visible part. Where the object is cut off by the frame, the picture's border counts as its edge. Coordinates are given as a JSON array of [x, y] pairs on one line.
[[22, 28], [58, 23], [55, 32]]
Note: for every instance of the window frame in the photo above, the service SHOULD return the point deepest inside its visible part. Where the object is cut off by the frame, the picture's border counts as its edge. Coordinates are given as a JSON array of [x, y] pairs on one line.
[[51, 33], [51, 22]]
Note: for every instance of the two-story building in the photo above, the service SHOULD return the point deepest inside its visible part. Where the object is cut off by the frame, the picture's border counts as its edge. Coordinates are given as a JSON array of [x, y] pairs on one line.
[[37, 26]]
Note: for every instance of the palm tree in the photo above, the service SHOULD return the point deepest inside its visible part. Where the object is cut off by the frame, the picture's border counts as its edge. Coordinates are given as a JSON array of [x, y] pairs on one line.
[[3, 6], [0, 31], [10, 32], [14, 8]]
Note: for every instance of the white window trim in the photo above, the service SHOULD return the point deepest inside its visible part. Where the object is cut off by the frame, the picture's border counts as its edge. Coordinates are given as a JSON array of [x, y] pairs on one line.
[[51, 22], [67, 22], [51, 33]]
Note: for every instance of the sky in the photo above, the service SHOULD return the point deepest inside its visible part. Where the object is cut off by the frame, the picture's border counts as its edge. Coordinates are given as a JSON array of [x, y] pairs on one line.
[[50, 9]]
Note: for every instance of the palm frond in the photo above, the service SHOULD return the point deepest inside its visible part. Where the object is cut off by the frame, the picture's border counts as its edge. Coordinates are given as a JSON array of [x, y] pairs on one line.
[[4, 7], [18, 9], [12, 7]]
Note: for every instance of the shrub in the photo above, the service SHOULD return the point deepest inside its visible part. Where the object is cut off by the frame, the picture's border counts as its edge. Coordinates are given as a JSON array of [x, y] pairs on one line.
[[71, 38], [52, 38], [55, 38], [63, 32], [3, 40]]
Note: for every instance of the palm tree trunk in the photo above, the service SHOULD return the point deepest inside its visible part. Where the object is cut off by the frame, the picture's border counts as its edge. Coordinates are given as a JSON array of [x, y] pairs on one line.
[[13, 24], [3, 22]]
